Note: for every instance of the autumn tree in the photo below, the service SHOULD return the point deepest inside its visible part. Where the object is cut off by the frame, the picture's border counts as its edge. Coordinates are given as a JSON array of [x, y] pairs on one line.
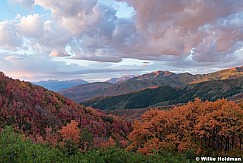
[[198, 126], [70, 135], [70, 132]]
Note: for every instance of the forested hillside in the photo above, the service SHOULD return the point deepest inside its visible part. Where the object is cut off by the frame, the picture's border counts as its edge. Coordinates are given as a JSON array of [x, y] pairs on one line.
[[138, 99], [166, 95], [86, 91], [156, 78], [40, 114]]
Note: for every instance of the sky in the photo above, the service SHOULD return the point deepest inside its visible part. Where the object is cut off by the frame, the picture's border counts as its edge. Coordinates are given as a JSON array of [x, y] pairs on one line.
[[98, 39]]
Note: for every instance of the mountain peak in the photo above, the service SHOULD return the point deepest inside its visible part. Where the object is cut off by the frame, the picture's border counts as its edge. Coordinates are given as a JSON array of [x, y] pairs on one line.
[[162, 73], [156, 74], [120, 79]]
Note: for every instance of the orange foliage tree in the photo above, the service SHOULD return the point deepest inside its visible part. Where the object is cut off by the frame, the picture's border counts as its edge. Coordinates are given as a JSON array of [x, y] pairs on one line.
[[198, 126], [71, 132], [109, 143]]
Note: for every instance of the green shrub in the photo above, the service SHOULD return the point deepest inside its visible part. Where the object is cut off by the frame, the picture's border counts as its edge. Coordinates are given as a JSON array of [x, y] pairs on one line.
[[15, 148]]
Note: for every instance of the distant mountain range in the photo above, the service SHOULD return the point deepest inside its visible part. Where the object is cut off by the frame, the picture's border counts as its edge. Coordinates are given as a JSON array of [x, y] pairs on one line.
[[79, 93], [166, 95], [157, 78], [86, 91], [56, 85]]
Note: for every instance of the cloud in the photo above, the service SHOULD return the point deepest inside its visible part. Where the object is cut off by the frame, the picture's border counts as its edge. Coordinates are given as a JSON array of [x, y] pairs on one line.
[[74, 15], [31, 25], [25, 3], [35, 67], [86, 26], [10, 38], [59, 53], [91, 26], [175, 27], [43, 35], [158, 29], [12, 58], [177, 33]]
